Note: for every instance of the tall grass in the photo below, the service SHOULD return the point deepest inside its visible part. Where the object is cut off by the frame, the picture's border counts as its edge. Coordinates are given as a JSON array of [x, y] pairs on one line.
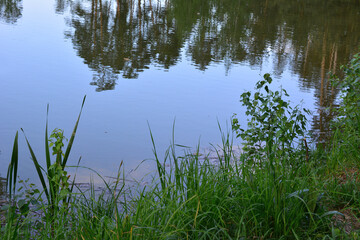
[[53, 178], [274, 189], [195, 199]]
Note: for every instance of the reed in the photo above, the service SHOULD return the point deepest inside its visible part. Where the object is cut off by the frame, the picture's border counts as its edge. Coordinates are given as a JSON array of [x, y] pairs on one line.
[[53, 177]]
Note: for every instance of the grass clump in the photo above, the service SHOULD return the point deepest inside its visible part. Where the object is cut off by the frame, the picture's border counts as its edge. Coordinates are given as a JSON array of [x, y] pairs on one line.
[[277, 188]]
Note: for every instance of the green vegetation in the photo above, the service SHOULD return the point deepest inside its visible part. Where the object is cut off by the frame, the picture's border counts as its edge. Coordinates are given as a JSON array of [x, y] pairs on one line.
[[277, 188]]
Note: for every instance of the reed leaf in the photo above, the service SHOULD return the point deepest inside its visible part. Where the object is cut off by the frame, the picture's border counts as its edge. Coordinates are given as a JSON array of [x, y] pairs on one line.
[[13, 167], [160, 168], [37, 167], [68, 149], [50, 174], [47, 152]]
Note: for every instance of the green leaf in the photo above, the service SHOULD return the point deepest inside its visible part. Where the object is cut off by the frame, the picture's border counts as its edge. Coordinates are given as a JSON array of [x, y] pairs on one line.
[[37, 167], [332, 213], [13, 167], [21, 203], [267, 89], [68, 149]]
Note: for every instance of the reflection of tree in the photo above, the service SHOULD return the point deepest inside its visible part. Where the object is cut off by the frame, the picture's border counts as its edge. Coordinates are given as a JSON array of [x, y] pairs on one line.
[[61, 5], [10, 10], [104, 78], [129, 35], [126, 36], [306, 37], [310, 37]]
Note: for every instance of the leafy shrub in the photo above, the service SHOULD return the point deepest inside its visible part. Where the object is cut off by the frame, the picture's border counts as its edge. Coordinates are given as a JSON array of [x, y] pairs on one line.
[[346, 127], [273, 127]]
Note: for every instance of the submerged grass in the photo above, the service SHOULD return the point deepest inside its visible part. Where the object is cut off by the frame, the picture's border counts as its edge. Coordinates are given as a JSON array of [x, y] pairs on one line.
[[273, 190]]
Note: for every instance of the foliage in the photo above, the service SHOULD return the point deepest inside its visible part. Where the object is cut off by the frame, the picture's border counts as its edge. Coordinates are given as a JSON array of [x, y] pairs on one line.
[[346, 127], [274, 125], [349, 109], [53, 177]]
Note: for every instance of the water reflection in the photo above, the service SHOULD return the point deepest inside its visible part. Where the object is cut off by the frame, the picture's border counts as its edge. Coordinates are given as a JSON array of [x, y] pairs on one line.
[[10, 10], [122, 38], [311, 37], [129, 35], [61, 5]]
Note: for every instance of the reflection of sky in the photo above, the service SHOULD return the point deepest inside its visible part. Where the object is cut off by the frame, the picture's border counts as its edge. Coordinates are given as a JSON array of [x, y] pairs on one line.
[[38, 67]]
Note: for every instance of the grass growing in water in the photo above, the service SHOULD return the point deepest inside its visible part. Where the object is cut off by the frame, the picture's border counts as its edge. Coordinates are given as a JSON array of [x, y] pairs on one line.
[[276, 190], [53, 178]]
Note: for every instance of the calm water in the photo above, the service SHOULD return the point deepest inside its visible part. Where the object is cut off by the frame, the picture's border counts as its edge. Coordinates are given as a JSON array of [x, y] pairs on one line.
[[154, 61]]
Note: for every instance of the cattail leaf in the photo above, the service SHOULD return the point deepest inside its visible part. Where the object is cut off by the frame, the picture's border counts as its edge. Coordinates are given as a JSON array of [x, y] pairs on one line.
[[68, 149], [12, 169], [37, 167]]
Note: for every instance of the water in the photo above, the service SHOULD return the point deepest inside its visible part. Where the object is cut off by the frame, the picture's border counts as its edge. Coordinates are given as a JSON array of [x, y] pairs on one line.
[[151, 62]]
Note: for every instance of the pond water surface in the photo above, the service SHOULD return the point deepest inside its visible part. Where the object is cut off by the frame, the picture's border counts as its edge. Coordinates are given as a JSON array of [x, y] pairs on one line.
[[154, 62]]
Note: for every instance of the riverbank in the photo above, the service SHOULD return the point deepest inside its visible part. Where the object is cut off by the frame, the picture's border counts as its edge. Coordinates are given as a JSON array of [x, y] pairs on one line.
[[277, 188]]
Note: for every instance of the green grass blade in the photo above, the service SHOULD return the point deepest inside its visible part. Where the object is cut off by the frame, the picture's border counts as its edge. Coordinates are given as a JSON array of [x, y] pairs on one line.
[[47, 151], [160, 169], [12, 169], [48, 158], [37, 167], [68, 149], [73, 182], [107, 185]]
